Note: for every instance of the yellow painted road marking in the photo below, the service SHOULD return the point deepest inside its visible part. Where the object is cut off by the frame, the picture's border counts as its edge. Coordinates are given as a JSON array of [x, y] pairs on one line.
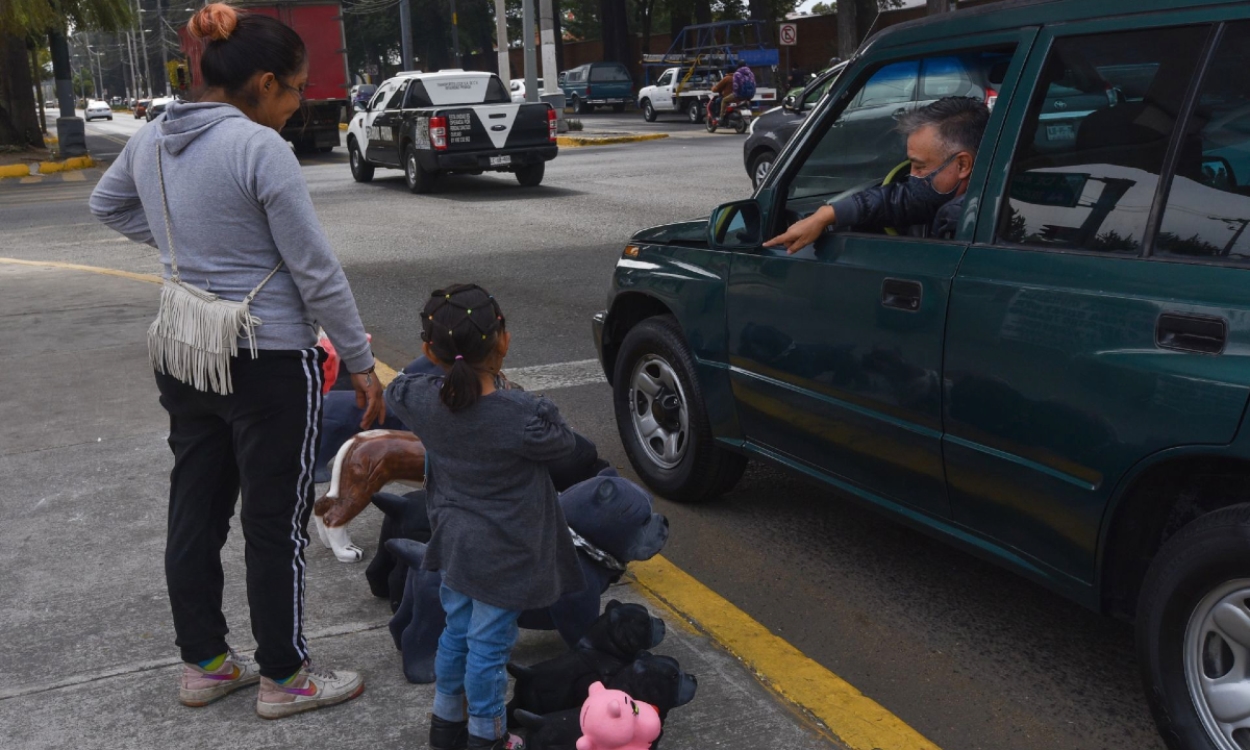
[[852, 717], [73, 177], [147, 277]]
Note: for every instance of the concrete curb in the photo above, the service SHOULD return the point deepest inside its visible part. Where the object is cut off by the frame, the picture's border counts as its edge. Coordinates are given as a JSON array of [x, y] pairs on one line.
[[577, 141], [46, 167]]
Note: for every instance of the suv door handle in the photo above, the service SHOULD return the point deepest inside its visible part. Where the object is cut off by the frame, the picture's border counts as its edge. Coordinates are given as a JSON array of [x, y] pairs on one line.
[[901, 294], [1200, 334]]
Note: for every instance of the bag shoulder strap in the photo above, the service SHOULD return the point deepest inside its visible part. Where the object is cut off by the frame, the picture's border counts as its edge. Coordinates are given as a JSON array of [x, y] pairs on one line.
[[169, 233]]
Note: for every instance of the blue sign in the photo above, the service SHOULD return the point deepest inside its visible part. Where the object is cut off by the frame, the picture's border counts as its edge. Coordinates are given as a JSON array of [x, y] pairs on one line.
[[759, 58]]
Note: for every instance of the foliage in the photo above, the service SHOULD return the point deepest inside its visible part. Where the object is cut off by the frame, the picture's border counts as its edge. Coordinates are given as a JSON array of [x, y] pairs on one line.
[[574, 125], [36, 17]]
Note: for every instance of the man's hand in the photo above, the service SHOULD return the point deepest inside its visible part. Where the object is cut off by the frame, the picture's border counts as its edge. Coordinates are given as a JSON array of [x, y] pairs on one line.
[[369, 397], [805, 231]]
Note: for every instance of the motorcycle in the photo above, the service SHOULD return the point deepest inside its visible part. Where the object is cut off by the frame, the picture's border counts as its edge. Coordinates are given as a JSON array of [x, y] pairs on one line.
[[738, 115]]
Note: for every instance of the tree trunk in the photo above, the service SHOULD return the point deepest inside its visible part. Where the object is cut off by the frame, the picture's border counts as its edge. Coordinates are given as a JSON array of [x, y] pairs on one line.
[[615, 31], [646, 9], [19, 122], [855, 20], [702, 11], [558, 26]]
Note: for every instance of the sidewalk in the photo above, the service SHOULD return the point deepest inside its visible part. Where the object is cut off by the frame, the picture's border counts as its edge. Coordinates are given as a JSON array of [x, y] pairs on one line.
[[89, 660]]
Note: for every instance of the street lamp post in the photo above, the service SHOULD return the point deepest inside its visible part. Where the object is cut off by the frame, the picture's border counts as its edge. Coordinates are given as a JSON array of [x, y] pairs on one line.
[[143, 37]]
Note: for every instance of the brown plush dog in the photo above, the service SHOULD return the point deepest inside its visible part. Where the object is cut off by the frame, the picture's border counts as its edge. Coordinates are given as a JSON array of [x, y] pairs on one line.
[[363, 466]]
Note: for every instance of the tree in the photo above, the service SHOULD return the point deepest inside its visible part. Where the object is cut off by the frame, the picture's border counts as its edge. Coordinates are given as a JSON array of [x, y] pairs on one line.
[[23, 19], [823, 9], [615, 31]]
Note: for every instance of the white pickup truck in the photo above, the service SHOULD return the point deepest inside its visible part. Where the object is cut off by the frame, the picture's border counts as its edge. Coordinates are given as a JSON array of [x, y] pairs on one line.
[[681, 90]]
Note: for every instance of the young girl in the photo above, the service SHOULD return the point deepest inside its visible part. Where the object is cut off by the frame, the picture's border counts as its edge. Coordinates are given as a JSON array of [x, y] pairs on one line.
[[499, 536]]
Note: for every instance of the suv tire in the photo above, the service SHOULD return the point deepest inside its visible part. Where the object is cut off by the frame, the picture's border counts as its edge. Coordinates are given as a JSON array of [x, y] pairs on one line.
[[418, 178], [362, 170], [1193, 603], [678, 459], [531, 175], [648, 111]]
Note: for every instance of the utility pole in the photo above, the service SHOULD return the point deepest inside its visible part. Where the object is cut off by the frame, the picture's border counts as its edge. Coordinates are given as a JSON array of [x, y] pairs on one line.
[[405, 35], [527, 29], [546, 26], [160, 30], [147, 59], [455, 37], [69, 129], [501, 40]]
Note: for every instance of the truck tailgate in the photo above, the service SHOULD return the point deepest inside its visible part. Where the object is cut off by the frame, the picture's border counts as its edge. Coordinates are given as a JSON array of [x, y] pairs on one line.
[[485, 127]]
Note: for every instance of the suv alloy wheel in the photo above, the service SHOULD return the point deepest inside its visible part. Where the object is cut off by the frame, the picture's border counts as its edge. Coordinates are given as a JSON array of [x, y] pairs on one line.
[[1193, 633], [661, 418], [648, 112], [362, 171]]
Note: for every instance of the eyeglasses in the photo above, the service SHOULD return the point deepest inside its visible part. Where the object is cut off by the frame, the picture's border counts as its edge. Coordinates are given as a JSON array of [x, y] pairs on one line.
[[299, 91]]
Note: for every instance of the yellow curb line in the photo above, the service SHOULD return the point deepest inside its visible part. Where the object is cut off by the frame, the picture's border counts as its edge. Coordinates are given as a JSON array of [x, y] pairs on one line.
[[47, 167], [342, 126], [145, 277], [855, 719], [578, 141]]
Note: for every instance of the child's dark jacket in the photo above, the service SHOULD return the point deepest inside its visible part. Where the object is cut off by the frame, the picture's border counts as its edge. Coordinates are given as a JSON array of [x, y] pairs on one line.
[[499, 535]]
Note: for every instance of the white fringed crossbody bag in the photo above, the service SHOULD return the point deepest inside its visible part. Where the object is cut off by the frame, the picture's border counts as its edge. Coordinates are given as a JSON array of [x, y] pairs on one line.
[[196, 332]]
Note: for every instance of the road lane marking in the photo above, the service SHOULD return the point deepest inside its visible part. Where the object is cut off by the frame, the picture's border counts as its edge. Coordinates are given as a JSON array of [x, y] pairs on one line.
[[849, 715], [146, 277]]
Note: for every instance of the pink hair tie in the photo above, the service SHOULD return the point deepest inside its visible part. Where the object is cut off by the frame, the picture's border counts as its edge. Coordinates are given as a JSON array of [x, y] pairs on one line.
[[459, 357]]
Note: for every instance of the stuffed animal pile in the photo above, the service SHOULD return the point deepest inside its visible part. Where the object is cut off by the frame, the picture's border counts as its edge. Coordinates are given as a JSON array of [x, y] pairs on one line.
[[551, 699]]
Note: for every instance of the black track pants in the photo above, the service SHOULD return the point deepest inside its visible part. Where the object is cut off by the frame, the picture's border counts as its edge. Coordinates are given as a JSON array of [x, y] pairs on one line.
[[261, 439]]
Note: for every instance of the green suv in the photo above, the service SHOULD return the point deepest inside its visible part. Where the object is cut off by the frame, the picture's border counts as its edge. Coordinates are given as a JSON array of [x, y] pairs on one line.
[[1060, 388]]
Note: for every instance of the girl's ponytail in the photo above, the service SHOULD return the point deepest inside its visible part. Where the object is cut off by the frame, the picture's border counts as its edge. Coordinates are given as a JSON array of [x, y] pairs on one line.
[[462, 325]]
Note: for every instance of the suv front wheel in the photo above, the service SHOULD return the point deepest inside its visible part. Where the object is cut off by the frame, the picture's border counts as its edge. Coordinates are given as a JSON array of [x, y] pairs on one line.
[[1193, 633], [661, 418]]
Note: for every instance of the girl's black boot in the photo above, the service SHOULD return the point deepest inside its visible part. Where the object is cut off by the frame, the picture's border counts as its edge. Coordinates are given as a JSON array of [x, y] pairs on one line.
[[448, 735]]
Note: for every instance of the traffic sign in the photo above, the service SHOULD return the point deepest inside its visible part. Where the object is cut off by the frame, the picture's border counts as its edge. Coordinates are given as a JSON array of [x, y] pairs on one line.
[[789, 34]]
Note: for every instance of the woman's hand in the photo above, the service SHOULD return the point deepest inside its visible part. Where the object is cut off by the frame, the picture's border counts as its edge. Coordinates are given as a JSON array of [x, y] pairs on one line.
[[369, 397], [805, 231]]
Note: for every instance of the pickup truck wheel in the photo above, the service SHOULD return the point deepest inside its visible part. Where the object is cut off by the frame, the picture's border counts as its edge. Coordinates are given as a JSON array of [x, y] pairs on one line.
[[694, 111], [760, 164], [661, 418], [579, 106], [362, 171], [1193, 633], [648, 112], [418, 178], [531, 175]]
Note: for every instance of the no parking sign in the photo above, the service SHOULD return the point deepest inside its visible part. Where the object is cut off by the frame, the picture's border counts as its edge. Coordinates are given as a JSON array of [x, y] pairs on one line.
[[789, 34]]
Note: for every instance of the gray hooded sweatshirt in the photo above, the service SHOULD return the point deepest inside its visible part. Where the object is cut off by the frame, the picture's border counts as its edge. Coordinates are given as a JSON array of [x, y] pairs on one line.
[[238, 205]]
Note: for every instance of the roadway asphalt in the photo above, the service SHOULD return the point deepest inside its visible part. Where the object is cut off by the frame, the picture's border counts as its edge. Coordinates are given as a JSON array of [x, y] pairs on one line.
[[969, 655]]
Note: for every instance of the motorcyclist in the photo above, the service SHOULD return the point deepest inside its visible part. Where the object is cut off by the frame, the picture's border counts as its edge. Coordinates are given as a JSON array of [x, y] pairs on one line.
[[725, 90], [942, 142]]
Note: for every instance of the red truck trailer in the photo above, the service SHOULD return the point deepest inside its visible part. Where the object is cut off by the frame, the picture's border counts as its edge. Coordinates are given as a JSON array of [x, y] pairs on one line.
[[315, 126]]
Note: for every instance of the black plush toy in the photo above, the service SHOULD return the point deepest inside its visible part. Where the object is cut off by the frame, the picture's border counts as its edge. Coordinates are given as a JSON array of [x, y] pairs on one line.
[[610, 514], [613, 642], [658, 680]]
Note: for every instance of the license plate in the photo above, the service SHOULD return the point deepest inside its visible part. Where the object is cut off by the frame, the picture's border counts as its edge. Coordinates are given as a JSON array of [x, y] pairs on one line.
[[499, 161], [1060, 133]]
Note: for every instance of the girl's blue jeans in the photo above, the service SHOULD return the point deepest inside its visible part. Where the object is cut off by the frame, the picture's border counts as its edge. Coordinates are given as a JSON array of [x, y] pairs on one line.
[[472, 654]]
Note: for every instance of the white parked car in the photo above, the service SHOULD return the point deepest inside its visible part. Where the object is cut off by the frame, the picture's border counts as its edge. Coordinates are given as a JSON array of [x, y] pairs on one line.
[[96, 109], [517, 87]]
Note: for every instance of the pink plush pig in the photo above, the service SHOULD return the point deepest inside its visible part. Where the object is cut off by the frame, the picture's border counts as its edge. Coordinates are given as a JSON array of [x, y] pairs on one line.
[[611, 720]]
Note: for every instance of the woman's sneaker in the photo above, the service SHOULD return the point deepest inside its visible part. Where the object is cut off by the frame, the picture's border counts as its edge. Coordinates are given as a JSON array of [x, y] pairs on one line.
[[311, 688], [200, 687]]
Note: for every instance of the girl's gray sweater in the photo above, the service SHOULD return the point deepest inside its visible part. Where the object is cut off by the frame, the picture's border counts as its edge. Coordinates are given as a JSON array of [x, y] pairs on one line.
[[238, 205]]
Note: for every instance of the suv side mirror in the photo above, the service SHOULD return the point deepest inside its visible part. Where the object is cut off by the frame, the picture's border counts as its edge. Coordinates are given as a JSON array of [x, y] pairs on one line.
[[788, 104], [736, 226]]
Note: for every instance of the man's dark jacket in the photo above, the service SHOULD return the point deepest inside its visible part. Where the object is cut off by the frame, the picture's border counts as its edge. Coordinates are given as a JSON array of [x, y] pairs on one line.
[[894, 205]]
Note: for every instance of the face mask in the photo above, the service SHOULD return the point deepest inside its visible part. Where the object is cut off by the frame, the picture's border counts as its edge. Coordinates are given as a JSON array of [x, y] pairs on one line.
[[921, 188]]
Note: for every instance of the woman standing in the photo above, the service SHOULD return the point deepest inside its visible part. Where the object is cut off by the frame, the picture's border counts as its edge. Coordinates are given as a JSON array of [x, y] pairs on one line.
[[215, 187]]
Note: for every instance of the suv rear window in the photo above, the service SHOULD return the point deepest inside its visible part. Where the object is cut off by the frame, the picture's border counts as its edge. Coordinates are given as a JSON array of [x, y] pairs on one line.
[[609, 73], [1093, 143]]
